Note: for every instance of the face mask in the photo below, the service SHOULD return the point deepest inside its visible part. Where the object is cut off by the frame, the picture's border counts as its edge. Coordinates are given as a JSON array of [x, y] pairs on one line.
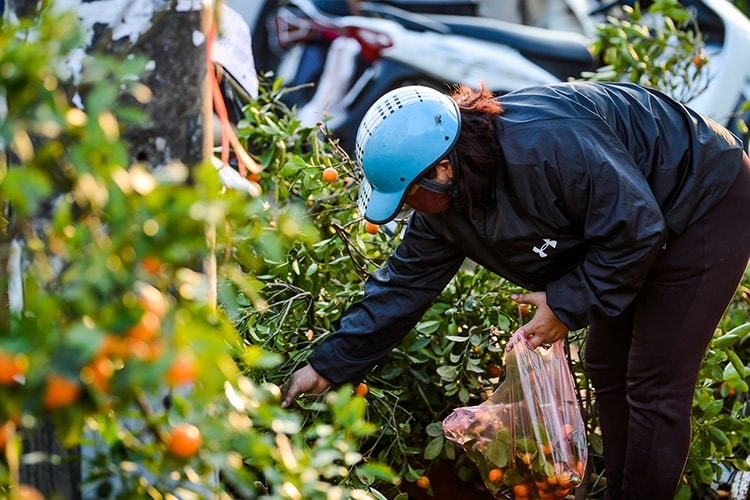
[[429, 202]]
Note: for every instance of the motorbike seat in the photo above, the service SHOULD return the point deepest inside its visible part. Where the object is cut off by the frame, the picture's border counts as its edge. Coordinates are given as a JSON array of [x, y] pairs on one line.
[[558, 51]]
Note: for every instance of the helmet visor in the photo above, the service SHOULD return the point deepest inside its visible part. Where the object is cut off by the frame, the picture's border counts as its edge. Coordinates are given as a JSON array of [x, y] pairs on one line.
[[378, 207]]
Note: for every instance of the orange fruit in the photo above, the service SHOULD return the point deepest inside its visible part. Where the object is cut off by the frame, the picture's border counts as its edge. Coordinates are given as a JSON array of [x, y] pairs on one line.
[[330, 174], [182, 369], [730, 391], [547, 449], [495, 475], [371, 228], [494, 370], [423, 482], [147, 328], [697, 61], [12, 366], [567, 480], [580, 468], [26, 492], [562, 493], [547, 496], [60, 391], [114, 346], [185, 440], [361, 389], [151, 264], [523, 310], [521, 490], [3, 436], [98, 373]]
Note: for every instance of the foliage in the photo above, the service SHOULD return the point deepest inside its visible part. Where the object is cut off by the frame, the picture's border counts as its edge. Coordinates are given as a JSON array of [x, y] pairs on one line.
[[743, 6], [103, 238], [117, 341], [721, 412], [663, 50]]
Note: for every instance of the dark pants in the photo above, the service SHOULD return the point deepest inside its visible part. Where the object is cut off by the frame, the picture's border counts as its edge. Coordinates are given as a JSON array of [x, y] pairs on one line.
[[644, 363]]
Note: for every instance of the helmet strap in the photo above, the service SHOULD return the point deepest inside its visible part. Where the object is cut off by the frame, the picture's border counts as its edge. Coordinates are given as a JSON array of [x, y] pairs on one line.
[[451, 187], [456, 167], [435, 187]]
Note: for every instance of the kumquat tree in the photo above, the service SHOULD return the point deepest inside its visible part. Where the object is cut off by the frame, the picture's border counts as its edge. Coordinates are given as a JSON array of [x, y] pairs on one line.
[[153, 313], [109, 335]]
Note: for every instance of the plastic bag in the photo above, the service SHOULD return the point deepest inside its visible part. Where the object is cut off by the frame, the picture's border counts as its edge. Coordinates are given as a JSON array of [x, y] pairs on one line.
[[528, 439]]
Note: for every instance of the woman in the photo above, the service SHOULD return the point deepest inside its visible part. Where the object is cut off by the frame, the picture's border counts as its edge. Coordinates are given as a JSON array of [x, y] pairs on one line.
[[620, 210]]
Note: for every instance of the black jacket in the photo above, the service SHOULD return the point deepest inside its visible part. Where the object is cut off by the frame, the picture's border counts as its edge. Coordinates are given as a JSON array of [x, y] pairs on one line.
[[596, 179]]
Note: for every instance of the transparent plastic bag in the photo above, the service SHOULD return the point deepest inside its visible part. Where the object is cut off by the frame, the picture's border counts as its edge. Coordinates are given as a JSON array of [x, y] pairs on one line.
[[528, 439]]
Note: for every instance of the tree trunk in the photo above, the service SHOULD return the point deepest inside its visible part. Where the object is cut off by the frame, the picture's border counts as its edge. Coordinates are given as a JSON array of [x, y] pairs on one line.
[[60, 475], [174, 131]]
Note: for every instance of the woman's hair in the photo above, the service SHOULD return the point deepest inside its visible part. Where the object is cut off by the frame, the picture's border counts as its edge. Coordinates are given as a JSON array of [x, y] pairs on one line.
[[477, 148]]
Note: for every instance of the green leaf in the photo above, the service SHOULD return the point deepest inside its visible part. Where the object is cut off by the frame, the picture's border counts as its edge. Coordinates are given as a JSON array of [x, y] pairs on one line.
[[428, 327], [717, 435], [726, 340], [713, 409], [463, 394], [498, 451], [434, 447], [456, 338], [434, 429], [740, 385], [25, 189], [100, 99], [447, 372], [741, 330], [737, 363], [311, 269], [255, 357], [473, 366], [503, 322], [376, 471]]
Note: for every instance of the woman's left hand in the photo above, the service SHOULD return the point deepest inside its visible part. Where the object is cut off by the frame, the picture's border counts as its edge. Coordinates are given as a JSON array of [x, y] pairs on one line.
[[544, 328]]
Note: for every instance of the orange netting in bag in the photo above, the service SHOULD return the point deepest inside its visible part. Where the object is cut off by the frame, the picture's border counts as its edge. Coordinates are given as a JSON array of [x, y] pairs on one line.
[[528, 439]]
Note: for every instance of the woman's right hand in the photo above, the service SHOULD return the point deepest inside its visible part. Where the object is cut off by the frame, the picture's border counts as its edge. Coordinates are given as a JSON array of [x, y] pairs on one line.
[[306, 379]]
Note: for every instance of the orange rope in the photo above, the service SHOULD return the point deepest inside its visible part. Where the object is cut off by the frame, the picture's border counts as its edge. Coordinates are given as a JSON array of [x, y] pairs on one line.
[[227, 132]]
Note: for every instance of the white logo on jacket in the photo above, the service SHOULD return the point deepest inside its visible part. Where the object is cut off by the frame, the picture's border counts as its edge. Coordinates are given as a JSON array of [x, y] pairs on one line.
[[547, 243]]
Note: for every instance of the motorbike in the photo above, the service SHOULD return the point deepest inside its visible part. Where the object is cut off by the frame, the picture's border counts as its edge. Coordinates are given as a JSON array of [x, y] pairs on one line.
[[306, 37], [388, 47]]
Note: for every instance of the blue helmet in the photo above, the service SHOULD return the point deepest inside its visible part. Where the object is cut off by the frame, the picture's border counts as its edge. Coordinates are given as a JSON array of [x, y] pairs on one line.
[[404, 134]]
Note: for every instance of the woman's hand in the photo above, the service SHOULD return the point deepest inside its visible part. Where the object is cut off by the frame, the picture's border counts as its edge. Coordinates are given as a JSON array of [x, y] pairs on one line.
[[544, 328], [306, 379]]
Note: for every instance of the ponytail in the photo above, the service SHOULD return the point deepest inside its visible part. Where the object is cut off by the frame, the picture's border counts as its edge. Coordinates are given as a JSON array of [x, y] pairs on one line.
[[479, 153]]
